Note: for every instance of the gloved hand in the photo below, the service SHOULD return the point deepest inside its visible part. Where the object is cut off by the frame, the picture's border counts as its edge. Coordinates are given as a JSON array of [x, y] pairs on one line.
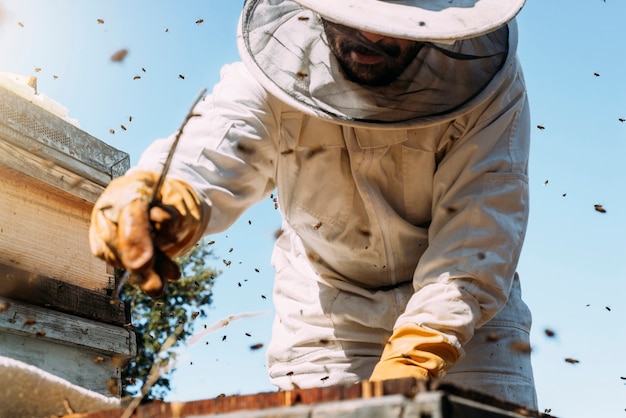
[[127, 233], [415, 351]]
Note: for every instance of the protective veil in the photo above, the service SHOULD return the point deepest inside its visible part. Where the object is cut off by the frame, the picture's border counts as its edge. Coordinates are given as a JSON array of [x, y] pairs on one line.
[[439, 81]]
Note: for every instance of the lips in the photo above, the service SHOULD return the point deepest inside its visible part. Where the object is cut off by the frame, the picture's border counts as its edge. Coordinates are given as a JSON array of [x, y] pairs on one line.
[[366, 58]]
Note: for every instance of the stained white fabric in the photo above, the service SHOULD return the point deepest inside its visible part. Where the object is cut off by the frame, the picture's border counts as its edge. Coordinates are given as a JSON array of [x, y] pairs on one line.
[[385, 223]]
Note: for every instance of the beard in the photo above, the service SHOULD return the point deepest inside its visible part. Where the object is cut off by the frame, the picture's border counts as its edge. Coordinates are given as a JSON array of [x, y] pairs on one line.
[[369, 63]]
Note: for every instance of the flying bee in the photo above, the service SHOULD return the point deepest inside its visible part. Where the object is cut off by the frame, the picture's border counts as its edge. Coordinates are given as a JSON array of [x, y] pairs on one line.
[[301, 74], [244, 149], [182, 77], [256, 346], [119, 56], [622, 119], [317, 226], [452, 209], [199, 21], [98, 359], [571, 360], [100, 22], [303, 18], [325, 378], [112, 387], [48, 163], [195, 314], [520, 346], [365, 231], [599, 208], [541, 127], [314, 150], [29, 322], [314, 257]]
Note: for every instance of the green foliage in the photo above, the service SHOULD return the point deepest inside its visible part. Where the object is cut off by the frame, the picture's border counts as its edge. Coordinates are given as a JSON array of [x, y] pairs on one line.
[[154, 320]]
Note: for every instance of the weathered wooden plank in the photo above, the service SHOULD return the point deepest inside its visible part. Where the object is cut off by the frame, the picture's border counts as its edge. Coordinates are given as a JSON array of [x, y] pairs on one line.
[[32, 128], [68, 330], [61, 296], [84, 352], [90, 369], [26, 162], [44, 230]]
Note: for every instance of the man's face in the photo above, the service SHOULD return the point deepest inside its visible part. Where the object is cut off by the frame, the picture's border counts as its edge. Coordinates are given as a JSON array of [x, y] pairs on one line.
[[368, 58]]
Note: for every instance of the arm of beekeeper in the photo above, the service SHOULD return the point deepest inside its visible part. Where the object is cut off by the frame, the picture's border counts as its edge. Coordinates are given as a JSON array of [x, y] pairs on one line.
[[479, 218], [227, 153], [223, 164]]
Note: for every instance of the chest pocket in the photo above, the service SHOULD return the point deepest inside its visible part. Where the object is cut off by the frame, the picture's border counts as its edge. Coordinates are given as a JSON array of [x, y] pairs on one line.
[[315, 186]]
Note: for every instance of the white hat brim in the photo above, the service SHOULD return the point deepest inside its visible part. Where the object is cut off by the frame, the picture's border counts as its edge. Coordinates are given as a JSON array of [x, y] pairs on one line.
[[420, 20]]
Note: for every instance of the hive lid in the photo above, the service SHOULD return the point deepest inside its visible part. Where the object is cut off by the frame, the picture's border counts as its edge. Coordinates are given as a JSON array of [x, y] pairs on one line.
[[46, 135]]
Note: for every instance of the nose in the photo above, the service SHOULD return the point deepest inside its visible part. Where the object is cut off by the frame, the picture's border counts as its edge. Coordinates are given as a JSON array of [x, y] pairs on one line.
[[372, 37]]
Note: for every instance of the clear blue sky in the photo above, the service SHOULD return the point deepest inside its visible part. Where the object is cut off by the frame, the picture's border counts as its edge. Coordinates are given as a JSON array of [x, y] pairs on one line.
[[572, 268]]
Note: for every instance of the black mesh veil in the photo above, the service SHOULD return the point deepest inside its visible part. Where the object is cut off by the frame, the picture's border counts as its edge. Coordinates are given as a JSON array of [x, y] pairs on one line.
[[285, 46]]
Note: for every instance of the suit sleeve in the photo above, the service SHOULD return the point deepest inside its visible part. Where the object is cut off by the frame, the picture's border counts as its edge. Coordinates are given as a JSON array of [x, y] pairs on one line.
[[479, 218], [227, 152]]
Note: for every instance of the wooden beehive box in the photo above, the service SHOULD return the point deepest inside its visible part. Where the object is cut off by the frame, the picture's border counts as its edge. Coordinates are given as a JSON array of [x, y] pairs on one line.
[[401, 398], [55, 310]]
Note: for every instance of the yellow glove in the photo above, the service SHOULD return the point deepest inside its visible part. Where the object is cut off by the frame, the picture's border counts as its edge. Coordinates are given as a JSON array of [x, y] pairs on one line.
[[414, 351], [127, 233]]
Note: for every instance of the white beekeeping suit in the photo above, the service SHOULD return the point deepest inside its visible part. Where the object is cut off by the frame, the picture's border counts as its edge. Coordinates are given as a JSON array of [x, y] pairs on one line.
[[404, 205]]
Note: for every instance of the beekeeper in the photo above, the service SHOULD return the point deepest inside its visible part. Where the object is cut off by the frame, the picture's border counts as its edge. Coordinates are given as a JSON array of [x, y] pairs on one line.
[[397, 136]]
